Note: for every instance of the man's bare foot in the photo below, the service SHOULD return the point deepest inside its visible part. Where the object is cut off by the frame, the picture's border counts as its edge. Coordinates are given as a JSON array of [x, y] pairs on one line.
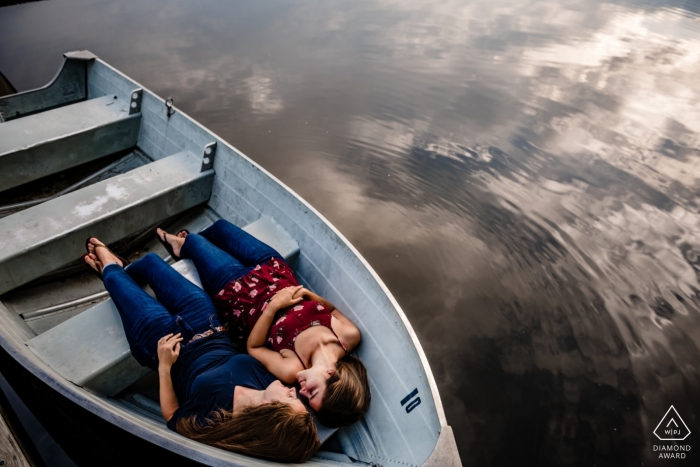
[[175, 241], [99, 253]]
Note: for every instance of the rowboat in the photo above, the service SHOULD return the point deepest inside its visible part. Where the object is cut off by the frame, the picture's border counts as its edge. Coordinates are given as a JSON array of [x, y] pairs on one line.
[[112, 159]]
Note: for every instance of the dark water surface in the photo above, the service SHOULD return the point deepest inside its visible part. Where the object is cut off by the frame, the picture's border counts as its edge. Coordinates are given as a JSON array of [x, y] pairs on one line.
[[524, 176]]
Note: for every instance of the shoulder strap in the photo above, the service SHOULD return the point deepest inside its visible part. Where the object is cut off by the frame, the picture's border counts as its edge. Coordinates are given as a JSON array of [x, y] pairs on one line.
[[339, 341], [300, 360]]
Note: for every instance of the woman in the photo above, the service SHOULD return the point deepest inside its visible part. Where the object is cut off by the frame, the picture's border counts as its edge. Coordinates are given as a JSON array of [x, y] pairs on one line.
[[308, 343], [208, 391]]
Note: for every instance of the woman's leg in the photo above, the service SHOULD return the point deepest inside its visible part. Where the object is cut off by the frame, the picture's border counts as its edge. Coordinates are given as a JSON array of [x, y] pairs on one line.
[[144, 319], [194, 309], [216, 268], [239, 243]]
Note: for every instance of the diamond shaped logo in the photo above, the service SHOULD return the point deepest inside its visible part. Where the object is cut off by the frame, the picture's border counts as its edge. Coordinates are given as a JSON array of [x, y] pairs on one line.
[[672, 427]]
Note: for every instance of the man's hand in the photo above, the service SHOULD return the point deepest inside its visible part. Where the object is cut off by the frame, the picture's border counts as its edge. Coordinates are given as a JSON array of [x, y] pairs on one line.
[[283, 299], [169, 349]]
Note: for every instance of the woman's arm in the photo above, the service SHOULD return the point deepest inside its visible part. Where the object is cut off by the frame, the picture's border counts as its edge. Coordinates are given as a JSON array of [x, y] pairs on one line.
[[348, 331], [168, 351], [285, 369]]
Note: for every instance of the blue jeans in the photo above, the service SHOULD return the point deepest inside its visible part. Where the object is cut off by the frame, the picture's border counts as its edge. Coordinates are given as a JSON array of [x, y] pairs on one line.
[[181, 306], [223, 253]]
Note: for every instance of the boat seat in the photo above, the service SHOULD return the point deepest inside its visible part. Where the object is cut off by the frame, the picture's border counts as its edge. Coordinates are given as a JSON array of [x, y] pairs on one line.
[[91, 350], [67, 87], [38, 145], [48, 236]]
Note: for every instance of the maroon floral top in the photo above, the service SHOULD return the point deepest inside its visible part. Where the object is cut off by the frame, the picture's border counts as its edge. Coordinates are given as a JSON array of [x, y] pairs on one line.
[[241, 302]]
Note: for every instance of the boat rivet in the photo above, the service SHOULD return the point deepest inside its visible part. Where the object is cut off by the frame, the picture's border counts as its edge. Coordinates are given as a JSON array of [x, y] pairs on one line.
[[205, 160], [134, 96], [133, 105], [208, 150]]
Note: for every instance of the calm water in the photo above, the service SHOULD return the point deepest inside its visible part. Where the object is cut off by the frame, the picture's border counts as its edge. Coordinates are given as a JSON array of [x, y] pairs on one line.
[[524, 176]]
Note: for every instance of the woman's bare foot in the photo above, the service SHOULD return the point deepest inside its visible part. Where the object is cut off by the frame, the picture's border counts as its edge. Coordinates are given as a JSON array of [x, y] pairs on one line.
[[175, 241], [100, 254], [92, 261]]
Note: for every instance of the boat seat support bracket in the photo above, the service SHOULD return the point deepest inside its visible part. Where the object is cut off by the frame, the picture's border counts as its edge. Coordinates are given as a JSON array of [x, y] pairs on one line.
[[208, 156], [135, 104]]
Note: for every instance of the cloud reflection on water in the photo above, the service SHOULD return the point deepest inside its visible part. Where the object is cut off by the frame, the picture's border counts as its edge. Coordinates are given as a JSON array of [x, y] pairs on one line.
[[522, 174], [593, 167]]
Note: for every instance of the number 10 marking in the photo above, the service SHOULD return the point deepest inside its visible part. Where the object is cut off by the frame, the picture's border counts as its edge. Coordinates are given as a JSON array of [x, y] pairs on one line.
[[413, 403]]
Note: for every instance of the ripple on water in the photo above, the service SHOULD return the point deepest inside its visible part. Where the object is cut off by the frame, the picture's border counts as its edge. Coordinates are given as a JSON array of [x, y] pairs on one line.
[[522, 174]]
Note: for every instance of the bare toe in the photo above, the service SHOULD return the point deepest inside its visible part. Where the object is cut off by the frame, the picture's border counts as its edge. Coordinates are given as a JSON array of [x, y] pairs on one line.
[[93, 243], [95, 259], [90, 261], [102, 254]]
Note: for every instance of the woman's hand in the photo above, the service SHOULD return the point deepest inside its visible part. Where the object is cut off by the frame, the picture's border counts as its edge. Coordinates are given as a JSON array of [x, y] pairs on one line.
[[306, 293], [283, 299], [169, 349], [303, 293]]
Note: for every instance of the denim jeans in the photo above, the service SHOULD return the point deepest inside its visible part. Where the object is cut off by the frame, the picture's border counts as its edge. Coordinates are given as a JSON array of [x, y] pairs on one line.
[[223, 253], [180, 306]]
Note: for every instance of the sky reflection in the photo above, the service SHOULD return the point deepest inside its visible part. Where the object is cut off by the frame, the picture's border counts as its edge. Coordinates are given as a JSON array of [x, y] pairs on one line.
[[522, 174]]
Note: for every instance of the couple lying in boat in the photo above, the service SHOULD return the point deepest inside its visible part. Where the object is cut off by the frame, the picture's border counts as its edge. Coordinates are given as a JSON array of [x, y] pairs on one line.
[[209, 391]]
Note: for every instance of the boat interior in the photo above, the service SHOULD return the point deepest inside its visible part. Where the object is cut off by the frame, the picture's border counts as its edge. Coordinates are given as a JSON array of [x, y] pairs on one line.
[[94, 154]]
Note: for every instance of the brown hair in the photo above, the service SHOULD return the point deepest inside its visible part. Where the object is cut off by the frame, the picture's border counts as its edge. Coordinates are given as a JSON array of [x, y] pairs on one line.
[[347, 395], [274, 431]]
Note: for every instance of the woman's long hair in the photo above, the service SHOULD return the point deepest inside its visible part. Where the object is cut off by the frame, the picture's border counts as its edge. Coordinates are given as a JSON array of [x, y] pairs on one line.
[[347, 395], [273, 431]]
